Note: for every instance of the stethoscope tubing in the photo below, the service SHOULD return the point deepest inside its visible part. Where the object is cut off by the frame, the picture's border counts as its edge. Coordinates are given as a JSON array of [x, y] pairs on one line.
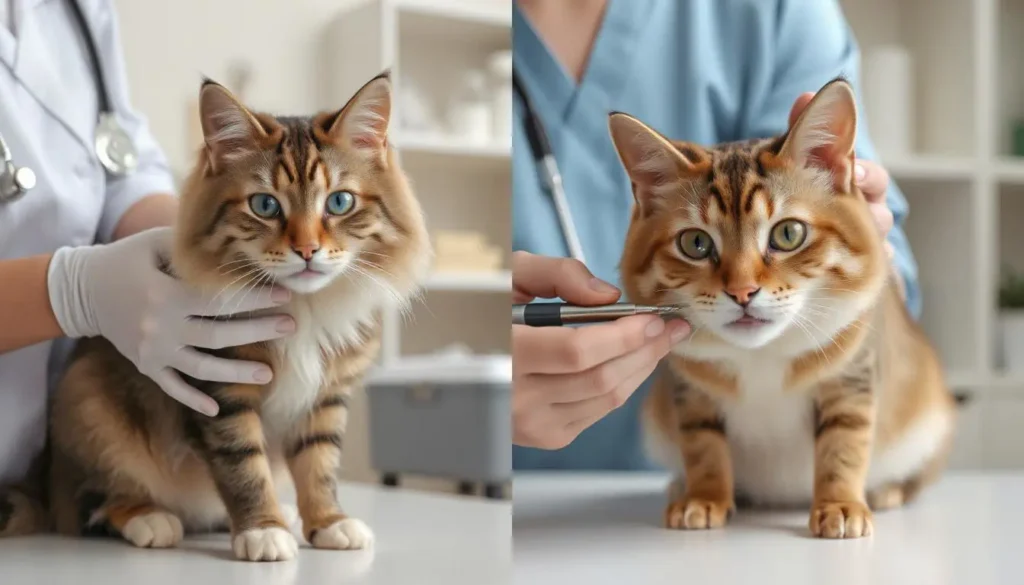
[[547, 166]]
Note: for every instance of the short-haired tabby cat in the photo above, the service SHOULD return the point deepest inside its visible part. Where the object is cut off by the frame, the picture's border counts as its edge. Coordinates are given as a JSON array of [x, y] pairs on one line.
[[318, 205], [805, 381]]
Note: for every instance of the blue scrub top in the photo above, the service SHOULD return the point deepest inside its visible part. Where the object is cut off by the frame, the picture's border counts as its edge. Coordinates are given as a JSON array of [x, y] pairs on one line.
[[705, 71]]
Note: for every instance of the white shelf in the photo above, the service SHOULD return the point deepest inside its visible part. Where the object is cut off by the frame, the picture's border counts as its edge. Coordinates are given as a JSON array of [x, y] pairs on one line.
[[429, 45], [413, 143], [470, 281], [488, 12], [931, 167]]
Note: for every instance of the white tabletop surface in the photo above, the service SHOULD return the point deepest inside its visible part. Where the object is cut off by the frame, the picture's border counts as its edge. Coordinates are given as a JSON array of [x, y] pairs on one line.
[[605, 529], [422, 539]]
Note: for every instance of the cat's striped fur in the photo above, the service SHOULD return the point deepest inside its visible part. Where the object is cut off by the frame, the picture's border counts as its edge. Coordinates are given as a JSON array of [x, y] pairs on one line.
[[805, 380], [129, 460]]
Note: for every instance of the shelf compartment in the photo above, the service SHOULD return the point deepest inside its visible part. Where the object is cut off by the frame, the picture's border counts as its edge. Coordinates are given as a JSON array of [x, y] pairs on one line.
[[939, 35], [941, 235]]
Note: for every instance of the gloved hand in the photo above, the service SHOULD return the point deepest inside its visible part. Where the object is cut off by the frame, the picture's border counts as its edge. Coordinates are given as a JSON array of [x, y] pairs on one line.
[[118, 291]]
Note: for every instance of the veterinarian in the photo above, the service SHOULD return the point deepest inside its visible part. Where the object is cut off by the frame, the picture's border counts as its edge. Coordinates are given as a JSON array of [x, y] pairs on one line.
[[83, 182], [705, 71]]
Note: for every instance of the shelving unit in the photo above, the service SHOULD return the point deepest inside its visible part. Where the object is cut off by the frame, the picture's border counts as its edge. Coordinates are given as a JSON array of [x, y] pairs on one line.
[[966, 194], [461, 183]]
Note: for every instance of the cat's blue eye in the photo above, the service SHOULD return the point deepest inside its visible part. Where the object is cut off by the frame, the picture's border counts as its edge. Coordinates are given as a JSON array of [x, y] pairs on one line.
[[340, 202], [265, 205]]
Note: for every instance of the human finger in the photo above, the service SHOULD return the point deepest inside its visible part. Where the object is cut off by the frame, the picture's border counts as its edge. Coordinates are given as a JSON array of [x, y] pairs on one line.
[[563, 350], [546, 277], [567, 390], [172, 385], [211, 334], [202, 366], [872, 178]]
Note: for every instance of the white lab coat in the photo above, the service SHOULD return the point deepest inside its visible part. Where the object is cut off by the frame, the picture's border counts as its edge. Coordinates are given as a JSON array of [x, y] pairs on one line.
[[48, 114]]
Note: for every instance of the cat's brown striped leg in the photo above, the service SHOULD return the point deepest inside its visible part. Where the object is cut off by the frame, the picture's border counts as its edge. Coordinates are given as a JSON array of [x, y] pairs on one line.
[[707, 501], [314, 457], [234, 446], [842, 449]]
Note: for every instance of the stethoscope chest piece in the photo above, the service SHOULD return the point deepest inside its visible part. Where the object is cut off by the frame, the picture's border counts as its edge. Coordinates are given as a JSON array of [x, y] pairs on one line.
[[114, 148]]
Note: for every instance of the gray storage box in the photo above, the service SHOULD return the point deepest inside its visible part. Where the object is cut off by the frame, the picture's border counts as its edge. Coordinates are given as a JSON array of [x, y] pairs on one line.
[[443, 416]]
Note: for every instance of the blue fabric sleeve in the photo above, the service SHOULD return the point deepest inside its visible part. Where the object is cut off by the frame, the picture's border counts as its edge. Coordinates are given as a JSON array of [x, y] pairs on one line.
[[813, 44]]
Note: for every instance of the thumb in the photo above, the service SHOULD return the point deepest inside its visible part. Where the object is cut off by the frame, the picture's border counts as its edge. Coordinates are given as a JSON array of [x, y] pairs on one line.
[[546, 277], [798, 107]]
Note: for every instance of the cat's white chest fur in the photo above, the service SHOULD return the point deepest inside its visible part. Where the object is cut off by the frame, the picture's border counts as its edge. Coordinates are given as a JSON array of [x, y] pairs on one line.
[[771, 435], [324, 323]]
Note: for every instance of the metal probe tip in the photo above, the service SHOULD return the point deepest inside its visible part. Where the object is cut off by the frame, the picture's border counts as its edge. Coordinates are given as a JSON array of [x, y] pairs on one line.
[[667, 310]]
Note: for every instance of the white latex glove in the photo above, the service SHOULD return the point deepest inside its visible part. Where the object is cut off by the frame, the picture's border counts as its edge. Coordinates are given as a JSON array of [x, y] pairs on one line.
[[118, 291]]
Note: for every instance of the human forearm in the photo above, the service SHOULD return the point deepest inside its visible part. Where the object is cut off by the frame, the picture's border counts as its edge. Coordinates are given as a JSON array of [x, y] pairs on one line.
[[156, 210], [26, 317]]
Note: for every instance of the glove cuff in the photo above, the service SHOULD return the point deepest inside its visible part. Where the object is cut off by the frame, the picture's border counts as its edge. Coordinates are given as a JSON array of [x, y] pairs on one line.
[[69, 299]]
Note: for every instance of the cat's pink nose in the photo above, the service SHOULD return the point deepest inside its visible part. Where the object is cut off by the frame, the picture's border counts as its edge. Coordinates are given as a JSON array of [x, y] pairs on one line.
[[742, 295], [306, 250]]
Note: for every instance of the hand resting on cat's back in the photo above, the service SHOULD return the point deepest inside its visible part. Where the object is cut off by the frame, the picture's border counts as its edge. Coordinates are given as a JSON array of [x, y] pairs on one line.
[[318, 205]]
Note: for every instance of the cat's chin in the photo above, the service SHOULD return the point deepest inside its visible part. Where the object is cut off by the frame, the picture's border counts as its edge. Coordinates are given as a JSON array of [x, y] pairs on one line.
[[305, 284], [751, 335]]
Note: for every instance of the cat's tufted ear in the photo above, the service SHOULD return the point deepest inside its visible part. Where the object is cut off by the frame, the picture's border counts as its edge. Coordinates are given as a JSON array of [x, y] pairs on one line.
[[824, 134], [229, 128], [655, 165], [363, 123]]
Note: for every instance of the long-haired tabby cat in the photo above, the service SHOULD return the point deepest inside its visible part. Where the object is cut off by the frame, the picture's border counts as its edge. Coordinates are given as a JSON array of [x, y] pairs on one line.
[[805, 381], [318, 205]]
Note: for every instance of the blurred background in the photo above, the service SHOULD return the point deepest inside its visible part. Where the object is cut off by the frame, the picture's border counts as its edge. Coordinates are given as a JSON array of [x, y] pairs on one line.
[[944, 97], [439, 418]]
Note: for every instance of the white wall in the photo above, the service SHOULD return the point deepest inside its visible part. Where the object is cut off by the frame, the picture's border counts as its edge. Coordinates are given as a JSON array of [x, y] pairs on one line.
[[169, 46]]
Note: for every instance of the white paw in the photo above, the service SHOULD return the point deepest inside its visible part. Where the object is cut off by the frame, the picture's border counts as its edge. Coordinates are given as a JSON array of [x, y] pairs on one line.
[[154, 530], [265, 544], [346, 534]]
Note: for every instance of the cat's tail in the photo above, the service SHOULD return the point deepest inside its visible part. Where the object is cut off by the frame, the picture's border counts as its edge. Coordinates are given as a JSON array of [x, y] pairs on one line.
[[21, 513]]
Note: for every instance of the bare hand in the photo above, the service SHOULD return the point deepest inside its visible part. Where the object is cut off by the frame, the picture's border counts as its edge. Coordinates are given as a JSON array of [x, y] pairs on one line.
[[566, 379]]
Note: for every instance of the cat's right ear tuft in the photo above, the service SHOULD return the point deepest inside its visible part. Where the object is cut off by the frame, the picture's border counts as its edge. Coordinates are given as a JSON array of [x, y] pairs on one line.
[[650, 159], [229, 128]]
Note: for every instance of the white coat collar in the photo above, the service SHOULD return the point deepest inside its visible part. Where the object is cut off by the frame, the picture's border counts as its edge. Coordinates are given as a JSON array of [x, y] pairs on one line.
[[37, 76]]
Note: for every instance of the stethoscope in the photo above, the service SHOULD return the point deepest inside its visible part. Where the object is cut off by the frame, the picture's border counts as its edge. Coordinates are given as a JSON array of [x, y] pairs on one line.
[[548, 168], [114, 148]]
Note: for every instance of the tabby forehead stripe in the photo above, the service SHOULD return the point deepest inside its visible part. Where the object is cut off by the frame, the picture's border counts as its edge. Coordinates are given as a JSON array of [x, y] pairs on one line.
[[841, 421], [317, 439]]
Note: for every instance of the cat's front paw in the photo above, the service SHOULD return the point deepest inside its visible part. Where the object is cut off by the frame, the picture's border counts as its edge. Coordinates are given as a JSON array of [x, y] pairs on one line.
[[697, 513], [265, 544], [157, 529], [841, 520], [347, 534]]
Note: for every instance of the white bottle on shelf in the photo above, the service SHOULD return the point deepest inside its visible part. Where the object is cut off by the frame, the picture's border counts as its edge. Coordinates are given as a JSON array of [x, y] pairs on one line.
[[500, 66], [469, 112], [888, 92]]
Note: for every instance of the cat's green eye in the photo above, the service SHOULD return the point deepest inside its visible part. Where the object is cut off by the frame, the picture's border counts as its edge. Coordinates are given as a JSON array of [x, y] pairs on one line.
[[788, 235], [696, 244], [265, 205], [340, 202]]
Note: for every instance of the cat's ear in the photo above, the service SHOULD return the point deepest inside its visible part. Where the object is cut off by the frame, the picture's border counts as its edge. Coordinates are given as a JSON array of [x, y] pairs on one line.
[[824, 134], [229, 128], [363, 123], [654, 164]]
